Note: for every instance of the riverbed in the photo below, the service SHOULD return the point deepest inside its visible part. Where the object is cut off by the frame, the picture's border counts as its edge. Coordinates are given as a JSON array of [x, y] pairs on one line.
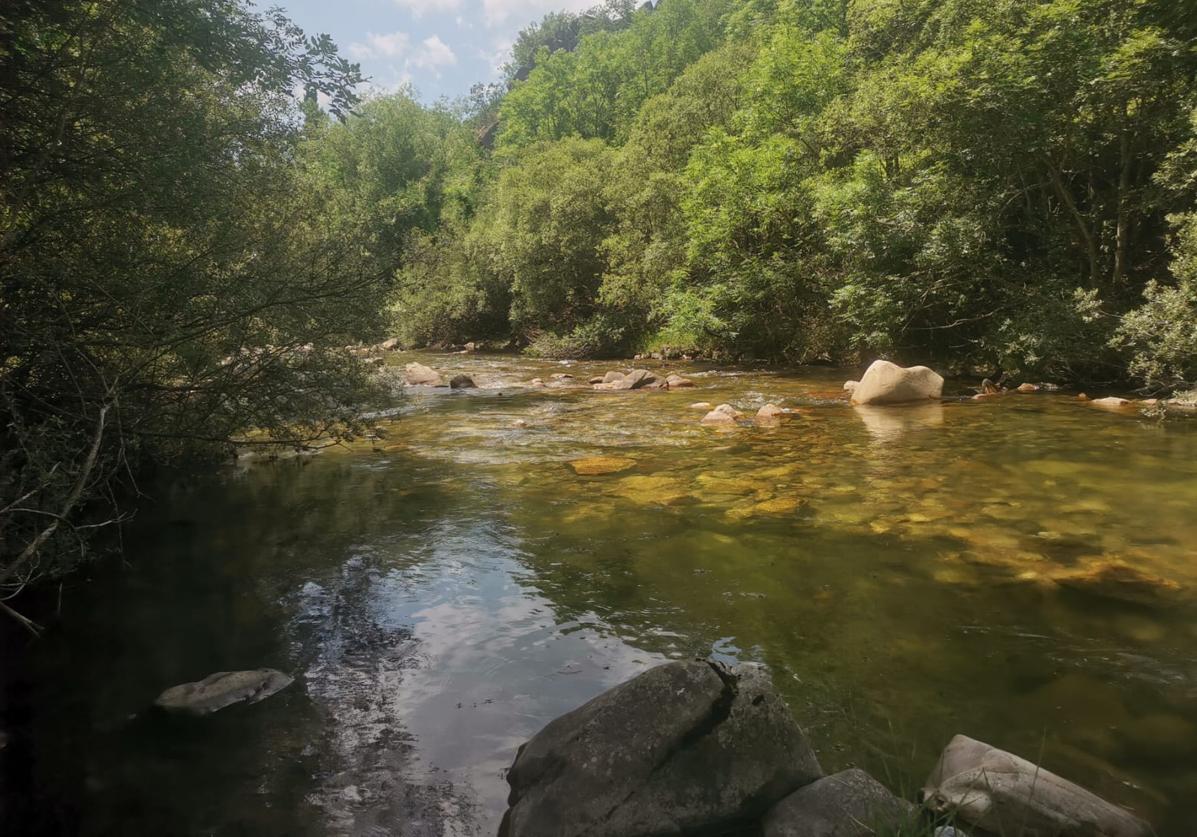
[[1019, 569]]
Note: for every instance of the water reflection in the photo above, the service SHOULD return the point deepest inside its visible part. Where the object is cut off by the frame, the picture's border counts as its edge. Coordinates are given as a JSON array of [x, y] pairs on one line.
[[886, 424]]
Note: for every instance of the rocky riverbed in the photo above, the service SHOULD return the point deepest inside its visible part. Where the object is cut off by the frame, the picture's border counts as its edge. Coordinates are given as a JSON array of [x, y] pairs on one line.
[[1016, 567]]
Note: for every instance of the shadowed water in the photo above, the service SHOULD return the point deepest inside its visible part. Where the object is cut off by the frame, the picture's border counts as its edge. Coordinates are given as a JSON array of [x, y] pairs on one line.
[[1017, 569]]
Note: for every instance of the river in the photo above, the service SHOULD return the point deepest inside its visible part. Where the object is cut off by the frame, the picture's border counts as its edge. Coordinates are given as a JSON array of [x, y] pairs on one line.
[[1019, 569]]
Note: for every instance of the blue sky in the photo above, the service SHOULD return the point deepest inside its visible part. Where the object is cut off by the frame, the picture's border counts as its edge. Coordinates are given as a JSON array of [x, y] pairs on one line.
[[440, 46]]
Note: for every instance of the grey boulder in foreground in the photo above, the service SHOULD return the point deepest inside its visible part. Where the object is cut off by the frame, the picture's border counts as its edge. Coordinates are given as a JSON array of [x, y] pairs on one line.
[[888, 383], [1004, 794], [847, 804], [686, 747], [224, 688]]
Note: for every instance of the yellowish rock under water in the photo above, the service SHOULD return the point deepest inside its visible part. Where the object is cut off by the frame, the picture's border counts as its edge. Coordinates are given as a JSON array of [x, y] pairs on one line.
[[597, 466]]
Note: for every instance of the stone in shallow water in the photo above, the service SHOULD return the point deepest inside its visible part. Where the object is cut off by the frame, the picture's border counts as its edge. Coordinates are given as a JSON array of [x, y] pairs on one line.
[[658, 490], [850, 803], [1003, 793], [1116, 580], [888, 383], [724, 414], [678, 382], [419, 375], [686, 747], [595, 466], [769, 414], [776, 507], [224, 688]]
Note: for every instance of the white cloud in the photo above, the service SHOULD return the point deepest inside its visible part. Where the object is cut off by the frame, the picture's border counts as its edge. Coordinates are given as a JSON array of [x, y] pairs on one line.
[[498, 55], [498, 12], [419, 8], [390, 45], [432, 53]]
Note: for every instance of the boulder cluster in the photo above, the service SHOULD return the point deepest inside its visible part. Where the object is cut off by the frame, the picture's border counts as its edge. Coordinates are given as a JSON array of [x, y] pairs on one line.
[[698, 748], [639, 379]]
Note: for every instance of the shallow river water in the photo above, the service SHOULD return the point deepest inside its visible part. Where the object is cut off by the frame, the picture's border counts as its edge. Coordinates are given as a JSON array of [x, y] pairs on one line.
[[1019, 569]]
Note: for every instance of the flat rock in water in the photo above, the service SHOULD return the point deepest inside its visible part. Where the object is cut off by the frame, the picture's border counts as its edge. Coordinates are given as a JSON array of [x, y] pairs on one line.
[[678, 382], [1005, 794], [847, 804], [596, 466], [224, 688], [1111, 402], [612, 377], [685, 747], [419, 375], [888, 383]]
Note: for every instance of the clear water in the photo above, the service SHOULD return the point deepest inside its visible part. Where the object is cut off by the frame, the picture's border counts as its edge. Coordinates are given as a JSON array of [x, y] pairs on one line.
[[443, 592]]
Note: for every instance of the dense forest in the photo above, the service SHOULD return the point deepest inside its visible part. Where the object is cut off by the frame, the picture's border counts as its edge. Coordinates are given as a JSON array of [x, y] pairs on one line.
[[199, 217]]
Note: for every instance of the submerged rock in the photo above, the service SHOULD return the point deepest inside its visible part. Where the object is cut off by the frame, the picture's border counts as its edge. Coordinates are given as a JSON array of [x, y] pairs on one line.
[[1005, 794], [685, 747], [701, 405], [224, 688], [888, 383], [850, 803], [462, 382], [1117, 580], [419, 375], [1111, 401], [595, 466]]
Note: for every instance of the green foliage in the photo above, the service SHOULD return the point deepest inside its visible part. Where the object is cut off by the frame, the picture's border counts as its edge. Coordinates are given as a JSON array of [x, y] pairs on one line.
[[595, 90], [170, 278]]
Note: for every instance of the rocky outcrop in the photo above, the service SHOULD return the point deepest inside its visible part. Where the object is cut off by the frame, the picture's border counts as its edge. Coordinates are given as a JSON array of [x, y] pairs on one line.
[[888, 383], [462, 382], [419, 375], [847, 804], [687, 747], [1001, 793], [224, 688]]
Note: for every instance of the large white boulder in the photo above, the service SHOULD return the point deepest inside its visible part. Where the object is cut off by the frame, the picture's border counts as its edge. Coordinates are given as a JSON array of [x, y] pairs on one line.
[[888, 383]]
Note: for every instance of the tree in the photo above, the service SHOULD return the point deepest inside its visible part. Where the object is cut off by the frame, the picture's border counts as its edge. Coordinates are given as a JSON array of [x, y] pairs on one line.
[[167, 281]]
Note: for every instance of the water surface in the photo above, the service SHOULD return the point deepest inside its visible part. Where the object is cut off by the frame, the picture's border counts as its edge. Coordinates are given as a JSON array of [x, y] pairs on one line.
[[443, 591]]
